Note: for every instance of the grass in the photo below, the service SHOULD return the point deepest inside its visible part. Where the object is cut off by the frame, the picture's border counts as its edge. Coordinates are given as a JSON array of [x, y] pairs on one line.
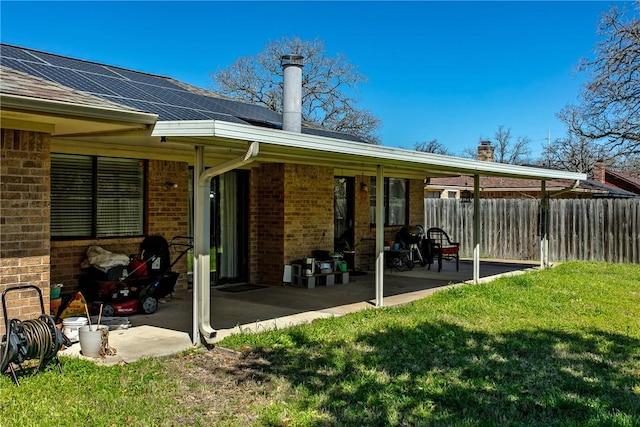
[[559, 347]]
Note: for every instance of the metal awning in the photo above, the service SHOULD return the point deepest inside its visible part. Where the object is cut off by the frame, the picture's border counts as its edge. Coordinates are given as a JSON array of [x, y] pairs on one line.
[[236, 145], [229, 139]]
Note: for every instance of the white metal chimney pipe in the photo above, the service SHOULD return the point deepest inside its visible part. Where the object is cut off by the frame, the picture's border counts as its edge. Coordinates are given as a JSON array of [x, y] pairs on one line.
[[292, 92]]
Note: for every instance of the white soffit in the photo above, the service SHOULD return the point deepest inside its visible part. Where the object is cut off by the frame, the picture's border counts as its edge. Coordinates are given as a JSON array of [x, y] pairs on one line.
[[282, 143]]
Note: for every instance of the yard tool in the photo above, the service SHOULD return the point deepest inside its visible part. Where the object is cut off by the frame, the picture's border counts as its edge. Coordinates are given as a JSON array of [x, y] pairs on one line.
[[150, 278]]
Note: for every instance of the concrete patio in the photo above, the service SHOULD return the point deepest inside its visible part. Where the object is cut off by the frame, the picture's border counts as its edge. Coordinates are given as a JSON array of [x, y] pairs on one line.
[[168, 330]]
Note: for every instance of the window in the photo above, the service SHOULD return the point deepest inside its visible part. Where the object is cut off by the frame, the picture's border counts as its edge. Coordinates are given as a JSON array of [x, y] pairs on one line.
[[433, 195], [452, 194], [395, 201], [96, 197]]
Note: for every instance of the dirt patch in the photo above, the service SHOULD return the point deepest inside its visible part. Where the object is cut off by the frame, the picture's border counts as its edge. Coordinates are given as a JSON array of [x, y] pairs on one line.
[[221, 386]]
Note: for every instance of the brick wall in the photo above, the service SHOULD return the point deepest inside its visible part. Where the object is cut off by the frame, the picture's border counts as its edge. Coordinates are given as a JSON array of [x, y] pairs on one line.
[[168, 208], [266, 219], [416, 202], [362, 227], [291, 215], [308, 210], [24, 220]]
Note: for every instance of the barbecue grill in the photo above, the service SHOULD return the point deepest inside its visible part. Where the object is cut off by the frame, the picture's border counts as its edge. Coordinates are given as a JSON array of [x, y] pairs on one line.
[[411, 237]]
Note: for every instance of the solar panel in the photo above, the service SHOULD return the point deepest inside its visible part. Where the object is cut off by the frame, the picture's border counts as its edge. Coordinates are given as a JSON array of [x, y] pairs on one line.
[[330, 134], [19, 66], [122, 88], [74, 64], [16, 53], [72, 79], [142, 91], [145, 78]]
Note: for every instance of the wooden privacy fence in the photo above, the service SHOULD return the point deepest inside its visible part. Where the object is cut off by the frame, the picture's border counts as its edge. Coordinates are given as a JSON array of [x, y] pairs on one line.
[[580, 229]]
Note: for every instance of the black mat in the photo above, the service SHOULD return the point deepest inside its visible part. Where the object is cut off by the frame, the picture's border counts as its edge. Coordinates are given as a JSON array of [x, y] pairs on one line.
[[240, 288], [358, 273]]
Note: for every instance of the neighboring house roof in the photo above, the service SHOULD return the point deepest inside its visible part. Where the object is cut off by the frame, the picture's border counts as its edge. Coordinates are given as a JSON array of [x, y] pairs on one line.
[[629, 181], [506, 184], [170, 99]]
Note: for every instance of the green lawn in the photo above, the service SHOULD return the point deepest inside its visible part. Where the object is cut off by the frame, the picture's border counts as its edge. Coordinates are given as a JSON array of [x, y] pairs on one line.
[[557, 347]]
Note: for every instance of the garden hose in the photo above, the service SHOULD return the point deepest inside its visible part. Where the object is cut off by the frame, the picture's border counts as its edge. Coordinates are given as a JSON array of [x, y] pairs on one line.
[[32, 339]]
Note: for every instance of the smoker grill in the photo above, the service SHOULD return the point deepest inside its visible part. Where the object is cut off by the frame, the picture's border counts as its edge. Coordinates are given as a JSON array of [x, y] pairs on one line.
[[411, 237], [412, 234]]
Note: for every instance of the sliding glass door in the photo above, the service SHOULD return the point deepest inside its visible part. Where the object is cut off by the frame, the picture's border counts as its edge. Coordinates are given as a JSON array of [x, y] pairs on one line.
[[229, 226]]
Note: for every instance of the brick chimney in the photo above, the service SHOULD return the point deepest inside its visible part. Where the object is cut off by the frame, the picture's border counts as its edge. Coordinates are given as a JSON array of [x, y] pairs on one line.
[[485, 151], [599, 171]]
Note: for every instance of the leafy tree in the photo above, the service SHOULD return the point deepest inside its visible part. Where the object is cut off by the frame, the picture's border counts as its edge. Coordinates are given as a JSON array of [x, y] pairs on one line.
[[609, 110], [329, 85], [432, 146]]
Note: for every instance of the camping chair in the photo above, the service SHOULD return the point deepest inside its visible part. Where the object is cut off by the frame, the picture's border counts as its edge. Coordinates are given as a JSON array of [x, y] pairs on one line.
[[442, 246]]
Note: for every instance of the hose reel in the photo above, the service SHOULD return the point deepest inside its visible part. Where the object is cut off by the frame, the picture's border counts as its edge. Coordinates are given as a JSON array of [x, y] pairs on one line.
[[30, 339]]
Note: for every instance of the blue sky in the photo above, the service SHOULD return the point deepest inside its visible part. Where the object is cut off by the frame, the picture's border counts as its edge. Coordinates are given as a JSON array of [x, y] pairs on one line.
[[452, 70]]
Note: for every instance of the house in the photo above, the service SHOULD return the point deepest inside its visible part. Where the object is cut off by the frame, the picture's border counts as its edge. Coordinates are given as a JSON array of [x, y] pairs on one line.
[[615, 185], [99, 155], [627, 181]]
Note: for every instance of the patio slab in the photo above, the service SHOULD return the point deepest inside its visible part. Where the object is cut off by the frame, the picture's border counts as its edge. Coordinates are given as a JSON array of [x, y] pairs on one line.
[[168, 331]]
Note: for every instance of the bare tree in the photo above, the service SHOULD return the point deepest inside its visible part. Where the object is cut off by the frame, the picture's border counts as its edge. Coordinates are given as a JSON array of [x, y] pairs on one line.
[[609, 110], [504, 150], [432, 146], [329, 86], [573, 153]]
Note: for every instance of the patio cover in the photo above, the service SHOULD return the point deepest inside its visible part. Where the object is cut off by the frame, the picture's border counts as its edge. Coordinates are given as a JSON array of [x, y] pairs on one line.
[[240, 144]]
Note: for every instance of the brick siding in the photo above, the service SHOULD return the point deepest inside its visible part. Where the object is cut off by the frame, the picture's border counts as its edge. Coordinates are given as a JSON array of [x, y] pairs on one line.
[[267, 224], [24, 220]]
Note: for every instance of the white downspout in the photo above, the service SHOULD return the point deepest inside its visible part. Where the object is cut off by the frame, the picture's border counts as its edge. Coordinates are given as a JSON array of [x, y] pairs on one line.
[[565, 190], [476, 229], [202, 238], [379, 235]]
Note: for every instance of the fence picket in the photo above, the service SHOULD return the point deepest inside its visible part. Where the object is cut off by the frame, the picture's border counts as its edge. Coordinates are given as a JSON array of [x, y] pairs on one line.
[[580, 229]]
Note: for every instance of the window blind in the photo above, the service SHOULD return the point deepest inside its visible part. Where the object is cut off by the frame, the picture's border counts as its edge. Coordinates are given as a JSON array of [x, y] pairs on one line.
[[71, 196], [96, 197], [120, 189]]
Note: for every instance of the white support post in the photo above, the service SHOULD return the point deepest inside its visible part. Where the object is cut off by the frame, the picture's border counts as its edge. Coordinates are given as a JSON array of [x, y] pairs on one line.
[[476, 229], [544, 226], [379, 235]]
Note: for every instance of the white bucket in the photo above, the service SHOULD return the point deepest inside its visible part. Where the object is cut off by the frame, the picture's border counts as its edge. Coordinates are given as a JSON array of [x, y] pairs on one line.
[[71, 325], [93, 339]]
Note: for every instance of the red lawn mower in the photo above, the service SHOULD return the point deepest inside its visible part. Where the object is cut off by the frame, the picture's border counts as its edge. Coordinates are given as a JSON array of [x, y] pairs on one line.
[[149, 278]]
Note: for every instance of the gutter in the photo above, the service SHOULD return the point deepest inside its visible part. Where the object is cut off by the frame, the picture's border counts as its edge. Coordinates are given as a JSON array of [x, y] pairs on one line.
[[208, 174], [376, 154]]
